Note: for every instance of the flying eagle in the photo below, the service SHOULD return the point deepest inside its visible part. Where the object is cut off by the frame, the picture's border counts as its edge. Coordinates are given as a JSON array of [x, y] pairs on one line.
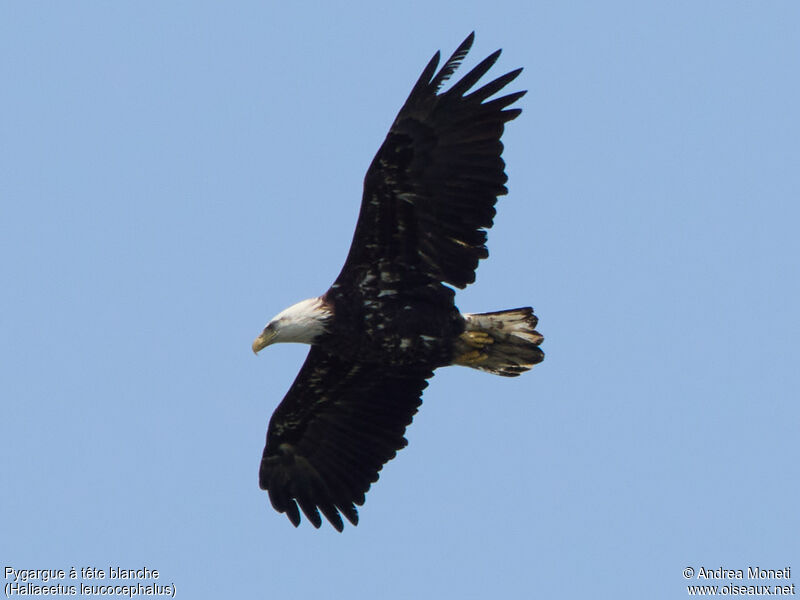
[[389, 319]]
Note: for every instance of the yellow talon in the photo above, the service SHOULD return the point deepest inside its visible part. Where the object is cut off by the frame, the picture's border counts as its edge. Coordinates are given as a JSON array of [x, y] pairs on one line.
[[477, 339], [472, 357]]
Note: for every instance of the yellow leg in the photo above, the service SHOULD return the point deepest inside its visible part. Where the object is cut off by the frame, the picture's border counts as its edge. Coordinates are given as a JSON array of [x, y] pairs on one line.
[[473, 357], [477, 339], [471, 348]]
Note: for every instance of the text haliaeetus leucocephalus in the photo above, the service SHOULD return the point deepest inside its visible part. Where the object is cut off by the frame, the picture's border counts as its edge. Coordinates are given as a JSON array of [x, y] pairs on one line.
[[389, 318]]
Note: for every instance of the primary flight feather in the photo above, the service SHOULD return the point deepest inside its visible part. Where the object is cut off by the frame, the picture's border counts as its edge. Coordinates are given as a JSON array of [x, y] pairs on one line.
[[389, 319]]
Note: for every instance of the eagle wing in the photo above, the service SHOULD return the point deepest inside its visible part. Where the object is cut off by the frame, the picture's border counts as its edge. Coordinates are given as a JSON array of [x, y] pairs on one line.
[[338, 425], [430, 191]]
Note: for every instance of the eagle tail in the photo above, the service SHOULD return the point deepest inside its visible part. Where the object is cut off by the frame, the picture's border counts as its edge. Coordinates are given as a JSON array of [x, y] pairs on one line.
[[504, 342]]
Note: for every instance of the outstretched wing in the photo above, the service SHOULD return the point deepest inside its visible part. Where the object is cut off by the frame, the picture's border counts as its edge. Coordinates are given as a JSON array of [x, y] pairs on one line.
[[338, 425], [430, 192]]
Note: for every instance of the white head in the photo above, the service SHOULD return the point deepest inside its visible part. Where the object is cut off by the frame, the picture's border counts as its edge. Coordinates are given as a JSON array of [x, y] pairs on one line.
[[302, 323]]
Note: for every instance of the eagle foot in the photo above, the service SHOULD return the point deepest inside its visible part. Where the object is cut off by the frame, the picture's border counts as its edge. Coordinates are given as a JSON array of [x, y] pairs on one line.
[[477, 339], [473, 357]]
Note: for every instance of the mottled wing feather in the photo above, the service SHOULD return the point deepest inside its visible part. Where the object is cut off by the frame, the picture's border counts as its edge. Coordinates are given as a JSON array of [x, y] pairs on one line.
[[338, 425], [430, 191]]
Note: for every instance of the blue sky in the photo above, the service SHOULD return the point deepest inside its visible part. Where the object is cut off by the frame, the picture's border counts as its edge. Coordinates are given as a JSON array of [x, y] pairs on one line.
[[174, 174]]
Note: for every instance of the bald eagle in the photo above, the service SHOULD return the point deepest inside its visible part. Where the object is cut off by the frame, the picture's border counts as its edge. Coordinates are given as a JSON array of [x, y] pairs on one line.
[[389, 319]]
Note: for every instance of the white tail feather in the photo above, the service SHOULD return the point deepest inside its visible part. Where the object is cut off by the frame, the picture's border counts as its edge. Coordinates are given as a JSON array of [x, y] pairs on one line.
[[504, 342]]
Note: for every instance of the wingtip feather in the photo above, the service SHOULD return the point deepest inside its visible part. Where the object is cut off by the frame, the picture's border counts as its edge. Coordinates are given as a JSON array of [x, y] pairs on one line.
[[452, 63]]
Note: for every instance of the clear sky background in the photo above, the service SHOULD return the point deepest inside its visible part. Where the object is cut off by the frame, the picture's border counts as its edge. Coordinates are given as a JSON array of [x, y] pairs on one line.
[[173, 174]]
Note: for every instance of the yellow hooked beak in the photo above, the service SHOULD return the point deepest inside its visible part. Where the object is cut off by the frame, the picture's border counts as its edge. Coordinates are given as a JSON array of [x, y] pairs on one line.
[[264, 340]]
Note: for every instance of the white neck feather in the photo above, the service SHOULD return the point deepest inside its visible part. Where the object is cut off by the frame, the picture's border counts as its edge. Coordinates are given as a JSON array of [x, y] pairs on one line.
[[302, 322]]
